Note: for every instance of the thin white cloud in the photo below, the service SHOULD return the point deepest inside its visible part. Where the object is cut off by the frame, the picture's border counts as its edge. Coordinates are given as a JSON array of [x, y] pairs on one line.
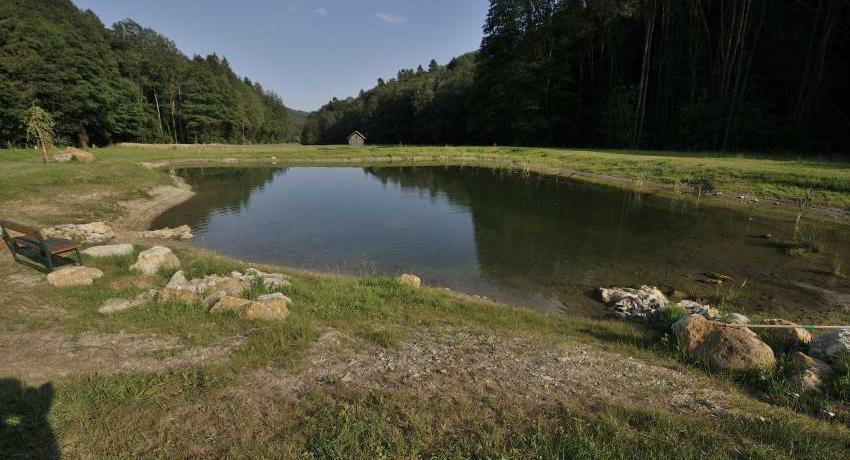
[[321, 12], [392, 18]]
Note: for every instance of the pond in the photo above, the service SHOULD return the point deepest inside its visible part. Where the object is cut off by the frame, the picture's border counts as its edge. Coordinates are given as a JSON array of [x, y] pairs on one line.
[[526, 239]]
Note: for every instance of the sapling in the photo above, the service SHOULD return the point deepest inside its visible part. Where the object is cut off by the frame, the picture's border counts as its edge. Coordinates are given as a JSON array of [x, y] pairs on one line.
[[40, 127]]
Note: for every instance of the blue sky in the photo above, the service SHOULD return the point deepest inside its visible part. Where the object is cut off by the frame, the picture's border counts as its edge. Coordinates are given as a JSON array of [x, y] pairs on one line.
[[311, 50]]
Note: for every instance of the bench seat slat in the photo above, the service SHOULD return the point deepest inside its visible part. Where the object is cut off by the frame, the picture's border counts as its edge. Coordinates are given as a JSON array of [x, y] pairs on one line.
[[54, 245]]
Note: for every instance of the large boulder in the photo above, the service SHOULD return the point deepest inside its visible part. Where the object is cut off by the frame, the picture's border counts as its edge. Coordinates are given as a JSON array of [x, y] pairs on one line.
[[183, 232], [793, 337], [809, 374], [115, 250], [832, 346], [177, 295], [634, 303], [73, 154], [735, 349], [410, 280], [154, 260], [208, 284], [691, 330], [92, 233], [731, 348], [74, 276], [268, 310]]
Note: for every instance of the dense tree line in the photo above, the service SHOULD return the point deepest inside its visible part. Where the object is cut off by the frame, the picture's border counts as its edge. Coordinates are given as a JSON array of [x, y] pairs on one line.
[[127, 83], [419, 106], [690, 74]]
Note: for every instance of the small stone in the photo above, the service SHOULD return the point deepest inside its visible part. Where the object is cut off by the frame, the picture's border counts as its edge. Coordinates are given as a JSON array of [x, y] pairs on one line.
[[154, 260], [114, 306], [718, 276], [74, 276], [410, 280], [275, 282], [115, 250], [178, 281]]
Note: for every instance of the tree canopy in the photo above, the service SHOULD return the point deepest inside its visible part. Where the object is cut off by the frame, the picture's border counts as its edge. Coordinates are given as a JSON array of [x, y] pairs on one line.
[[125, 83], [696, 74]]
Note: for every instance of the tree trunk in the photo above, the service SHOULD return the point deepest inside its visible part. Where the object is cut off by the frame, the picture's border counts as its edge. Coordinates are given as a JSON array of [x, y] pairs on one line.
[[158, 113], [640, 112]]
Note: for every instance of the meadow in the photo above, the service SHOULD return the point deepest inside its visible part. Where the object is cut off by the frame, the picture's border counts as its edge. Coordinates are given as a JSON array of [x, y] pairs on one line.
[[372, 368]]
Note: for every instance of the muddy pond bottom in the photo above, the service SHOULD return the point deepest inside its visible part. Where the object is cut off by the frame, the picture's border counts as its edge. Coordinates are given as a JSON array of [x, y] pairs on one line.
[[530, 240]]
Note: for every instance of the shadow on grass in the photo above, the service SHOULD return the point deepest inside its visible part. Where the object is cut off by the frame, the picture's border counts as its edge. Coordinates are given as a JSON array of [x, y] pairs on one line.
[[25, 432]]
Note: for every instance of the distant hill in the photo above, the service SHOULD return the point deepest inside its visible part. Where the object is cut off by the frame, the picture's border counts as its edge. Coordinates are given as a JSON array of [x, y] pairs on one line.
[[126, 83], [297, 119], [695, 75]]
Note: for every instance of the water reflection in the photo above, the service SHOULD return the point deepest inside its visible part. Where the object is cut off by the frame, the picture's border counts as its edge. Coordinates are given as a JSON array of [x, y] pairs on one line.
[[523, 238]]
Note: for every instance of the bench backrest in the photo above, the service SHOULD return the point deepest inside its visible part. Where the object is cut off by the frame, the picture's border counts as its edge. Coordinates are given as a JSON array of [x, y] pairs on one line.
[[15, 227]]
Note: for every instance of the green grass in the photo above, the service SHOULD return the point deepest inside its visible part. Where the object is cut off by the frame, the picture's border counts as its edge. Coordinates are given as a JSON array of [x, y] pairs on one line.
[[194, 413], [189, 413]]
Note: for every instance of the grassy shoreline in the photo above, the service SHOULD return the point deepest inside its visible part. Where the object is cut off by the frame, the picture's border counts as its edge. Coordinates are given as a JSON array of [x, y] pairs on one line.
[[770, 186], [269, 397]]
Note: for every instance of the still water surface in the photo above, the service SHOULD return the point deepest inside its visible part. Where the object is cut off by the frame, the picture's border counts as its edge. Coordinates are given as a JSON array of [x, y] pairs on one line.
[[531, 240]]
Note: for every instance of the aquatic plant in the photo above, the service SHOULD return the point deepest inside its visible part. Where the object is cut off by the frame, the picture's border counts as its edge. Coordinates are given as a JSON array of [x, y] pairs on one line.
[[837, 264], [803, 202]]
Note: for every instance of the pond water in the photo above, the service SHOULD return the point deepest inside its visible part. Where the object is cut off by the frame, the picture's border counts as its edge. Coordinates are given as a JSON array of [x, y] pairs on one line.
[[529, 240]]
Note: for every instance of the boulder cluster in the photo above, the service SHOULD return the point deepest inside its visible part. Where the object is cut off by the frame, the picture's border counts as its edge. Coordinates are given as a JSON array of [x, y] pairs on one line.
[[727, 343], [183, 232], [217, 293], [93, 233], [102, 232], [647, 302]]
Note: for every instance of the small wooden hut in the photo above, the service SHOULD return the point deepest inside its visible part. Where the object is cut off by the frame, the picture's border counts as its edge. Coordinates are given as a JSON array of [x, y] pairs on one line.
[[356, 140]]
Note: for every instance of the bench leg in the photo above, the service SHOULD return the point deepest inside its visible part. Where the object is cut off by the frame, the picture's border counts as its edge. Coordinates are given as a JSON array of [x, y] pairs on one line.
[[48, 260]]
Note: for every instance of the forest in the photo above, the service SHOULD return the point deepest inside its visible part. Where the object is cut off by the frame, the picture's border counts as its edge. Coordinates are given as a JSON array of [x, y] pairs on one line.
[[720, 75], [126, 83]]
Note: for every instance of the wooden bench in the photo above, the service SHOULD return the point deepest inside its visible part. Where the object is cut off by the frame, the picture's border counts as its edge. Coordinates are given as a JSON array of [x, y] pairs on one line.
[[33, 246]]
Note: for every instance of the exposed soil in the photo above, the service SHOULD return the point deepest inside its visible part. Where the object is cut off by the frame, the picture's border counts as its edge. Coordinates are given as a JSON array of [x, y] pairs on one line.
[[139, 213], [41, 356], [478, 364]]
